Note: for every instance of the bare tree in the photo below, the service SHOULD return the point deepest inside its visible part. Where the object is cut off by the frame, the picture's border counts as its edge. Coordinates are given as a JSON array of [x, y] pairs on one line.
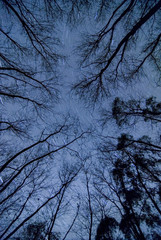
[[114, 53], [34, 137], [44, 151]]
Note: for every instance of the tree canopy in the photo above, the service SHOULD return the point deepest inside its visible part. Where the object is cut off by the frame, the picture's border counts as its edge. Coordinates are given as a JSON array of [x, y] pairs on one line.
[[80, 119]]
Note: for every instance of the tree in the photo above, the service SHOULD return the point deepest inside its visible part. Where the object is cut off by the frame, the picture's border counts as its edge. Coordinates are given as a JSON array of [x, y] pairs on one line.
[[47, 156], [148, 109], [114, 53], [32, 133], [120, 52], [106, 228], [26, 212], [37, 231], [135, 176]]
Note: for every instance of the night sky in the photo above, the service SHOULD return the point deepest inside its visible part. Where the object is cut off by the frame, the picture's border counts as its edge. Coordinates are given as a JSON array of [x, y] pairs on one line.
[[80, 114]]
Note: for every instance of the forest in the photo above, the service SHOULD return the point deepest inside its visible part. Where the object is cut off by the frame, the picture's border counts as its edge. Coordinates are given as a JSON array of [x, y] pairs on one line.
[[80, 120]]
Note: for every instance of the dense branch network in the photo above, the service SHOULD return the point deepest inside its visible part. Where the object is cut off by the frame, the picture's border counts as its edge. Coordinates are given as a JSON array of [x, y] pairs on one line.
[[108, 53], [58, 179]]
